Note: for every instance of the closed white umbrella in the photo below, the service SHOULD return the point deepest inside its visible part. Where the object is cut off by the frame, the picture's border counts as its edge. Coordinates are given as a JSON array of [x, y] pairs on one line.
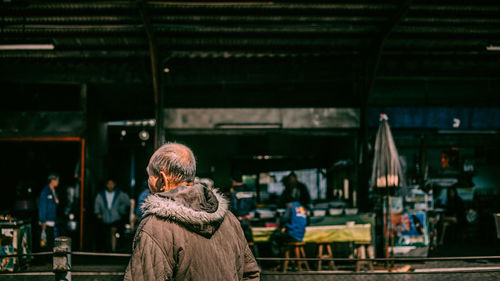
[[386, 170], [386, 173]]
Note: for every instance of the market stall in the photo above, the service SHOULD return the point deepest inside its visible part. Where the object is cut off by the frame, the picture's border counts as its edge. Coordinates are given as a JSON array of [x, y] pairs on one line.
[[344, 232], [410, 228], [15, 238]]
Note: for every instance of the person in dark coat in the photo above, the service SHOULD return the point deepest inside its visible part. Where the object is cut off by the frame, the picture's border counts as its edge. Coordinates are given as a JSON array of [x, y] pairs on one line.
[[454, 215], [187, 232], [291, 182]]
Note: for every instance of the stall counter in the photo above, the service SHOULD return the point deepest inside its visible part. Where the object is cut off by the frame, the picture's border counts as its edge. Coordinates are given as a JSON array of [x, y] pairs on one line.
[[358, 233]]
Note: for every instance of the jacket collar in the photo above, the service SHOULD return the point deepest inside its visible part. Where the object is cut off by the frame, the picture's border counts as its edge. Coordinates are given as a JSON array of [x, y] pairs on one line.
[[197, 208]]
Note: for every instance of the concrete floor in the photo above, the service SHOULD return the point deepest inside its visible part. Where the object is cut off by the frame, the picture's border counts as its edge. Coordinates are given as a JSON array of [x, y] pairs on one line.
[[486, 276], [436, 270]]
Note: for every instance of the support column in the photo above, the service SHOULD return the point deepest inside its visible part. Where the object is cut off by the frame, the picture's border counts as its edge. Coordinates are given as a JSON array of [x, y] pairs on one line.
[[83, 102], [363, 160], [368, 82], [158, 98]]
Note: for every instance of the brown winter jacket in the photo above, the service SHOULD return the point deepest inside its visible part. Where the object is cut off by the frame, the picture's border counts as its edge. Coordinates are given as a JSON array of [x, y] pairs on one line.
[[188, 234]]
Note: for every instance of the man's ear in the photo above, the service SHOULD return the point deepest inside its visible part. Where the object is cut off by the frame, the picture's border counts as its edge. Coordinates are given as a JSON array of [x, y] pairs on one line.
[[164, 180]]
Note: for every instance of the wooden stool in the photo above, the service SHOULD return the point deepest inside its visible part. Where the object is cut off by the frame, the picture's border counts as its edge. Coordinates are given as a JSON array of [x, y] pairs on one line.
[[298, 249], [328, 255], [364, 251]]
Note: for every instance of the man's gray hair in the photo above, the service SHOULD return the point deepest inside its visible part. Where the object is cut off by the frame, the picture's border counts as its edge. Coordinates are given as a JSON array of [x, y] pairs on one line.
[[175, 160], [52, 176]]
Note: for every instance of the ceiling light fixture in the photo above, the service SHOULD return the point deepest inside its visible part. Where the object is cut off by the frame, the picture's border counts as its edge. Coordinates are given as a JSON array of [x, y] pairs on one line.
[[144, 135], [16, 47], [492, 48]]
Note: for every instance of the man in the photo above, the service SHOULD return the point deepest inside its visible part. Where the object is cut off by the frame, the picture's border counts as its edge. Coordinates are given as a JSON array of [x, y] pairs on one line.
[[293, 225], [47, 208], [140, 200], [110, 207], [242, 203], [187, 232], [291, 182]]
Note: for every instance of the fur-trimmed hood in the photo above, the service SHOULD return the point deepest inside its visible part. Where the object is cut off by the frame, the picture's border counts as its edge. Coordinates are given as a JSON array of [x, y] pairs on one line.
[[197, 208]]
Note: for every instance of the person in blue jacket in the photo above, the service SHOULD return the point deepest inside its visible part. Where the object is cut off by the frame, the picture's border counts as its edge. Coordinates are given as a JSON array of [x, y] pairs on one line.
[[140, 200], [47, 207], [242, 203], [292, 225]]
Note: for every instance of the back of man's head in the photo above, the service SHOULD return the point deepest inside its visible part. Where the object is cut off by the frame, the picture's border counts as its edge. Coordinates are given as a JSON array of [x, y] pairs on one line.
[[175, 160]]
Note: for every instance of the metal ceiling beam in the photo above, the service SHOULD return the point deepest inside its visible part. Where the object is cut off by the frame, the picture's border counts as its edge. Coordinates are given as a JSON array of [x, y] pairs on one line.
[[134, 28], [491, 9], [241, 19], [472, 56], [482, 8], [70, 19], [219, 43], [345, 31], [465, 30], [451, 20], [193, 54], [196, 18], [79, 54], [70, 29], [44, 6], [203, 5], [245, 19], [237, 54], [288, 43]]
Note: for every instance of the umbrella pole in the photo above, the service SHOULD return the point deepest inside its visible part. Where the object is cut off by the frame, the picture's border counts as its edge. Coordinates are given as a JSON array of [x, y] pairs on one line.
[[388, 227], [386, 246], [391, 236]]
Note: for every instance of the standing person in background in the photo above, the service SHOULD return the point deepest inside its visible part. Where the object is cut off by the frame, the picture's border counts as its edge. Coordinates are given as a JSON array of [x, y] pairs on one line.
[[47, 212], [454, 216], [111, 207]]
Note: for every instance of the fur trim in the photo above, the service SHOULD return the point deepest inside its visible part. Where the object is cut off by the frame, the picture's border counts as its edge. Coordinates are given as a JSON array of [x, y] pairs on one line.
[[171, 210]]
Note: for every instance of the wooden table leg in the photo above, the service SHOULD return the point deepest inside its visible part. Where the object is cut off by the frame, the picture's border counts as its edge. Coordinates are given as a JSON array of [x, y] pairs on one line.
[[320, 255], [330, 255]]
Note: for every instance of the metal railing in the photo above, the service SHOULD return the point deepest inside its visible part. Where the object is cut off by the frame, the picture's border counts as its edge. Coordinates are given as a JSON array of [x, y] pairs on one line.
[[62, 264]]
